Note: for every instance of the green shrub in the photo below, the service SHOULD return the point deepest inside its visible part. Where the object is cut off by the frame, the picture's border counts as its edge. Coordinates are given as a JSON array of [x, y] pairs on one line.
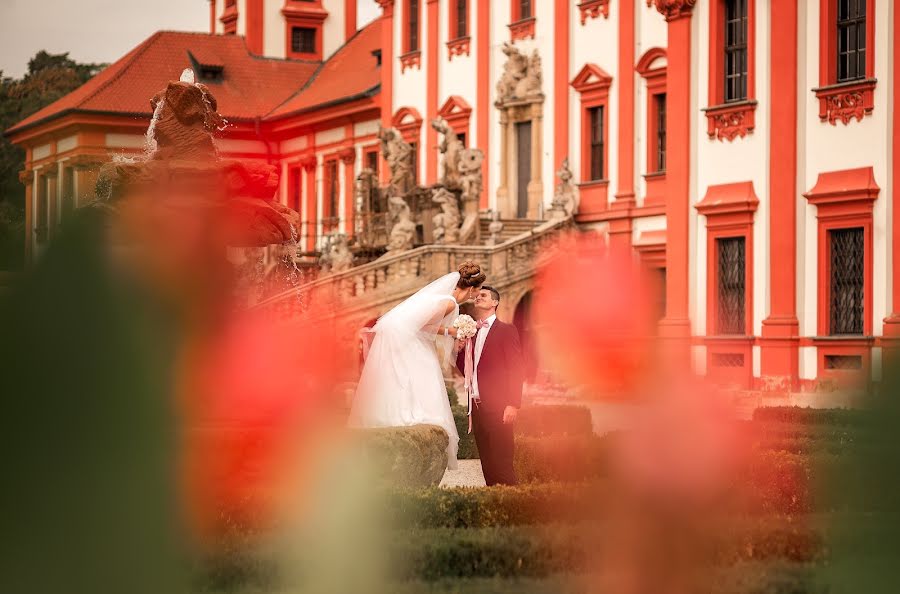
[[468, 450], [468, 507], [407, 456], [562, 458], [547, 420], [810, 416]]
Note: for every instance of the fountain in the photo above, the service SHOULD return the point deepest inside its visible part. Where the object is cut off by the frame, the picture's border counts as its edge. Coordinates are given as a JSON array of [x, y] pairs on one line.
[[181, 152]]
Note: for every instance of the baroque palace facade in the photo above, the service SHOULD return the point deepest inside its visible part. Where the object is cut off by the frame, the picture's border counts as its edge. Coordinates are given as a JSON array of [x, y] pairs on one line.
[[745, 149]]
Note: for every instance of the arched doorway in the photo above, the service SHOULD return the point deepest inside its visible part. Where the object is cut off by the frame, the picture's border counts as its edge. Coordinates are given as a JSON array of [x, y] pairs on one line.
[[522, 322]]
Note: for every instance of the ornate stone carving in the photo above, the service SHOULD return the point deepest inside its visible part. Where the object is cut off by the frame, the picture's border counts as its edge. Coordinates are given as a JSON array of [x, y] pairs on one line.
[[446, 222], [458, 47], [399, 156], [522, 29], [403, 229], [450, 148], [847, 101], [673, 9], [592, 9], [495, 228], [522, 76], [336, 255], [410, 60], [470, 176], [565, 197], [728, 121]]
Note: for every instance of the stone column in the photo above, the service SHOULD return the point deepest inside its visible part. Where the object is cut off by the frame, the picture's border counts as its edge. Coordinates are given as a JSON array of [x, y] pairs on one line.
[[535, 185], [503, 188], [387, 72]]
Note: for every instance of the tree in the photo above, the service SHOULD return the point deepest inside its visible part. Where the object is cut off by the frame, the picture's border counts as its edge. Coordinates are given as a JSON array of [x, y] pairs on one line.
[[49, 77]]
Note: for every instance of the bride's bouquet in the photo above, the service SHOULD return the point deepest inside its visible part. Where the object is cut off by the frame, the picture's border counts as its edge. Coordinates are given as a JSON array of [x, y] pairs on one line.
[[465, 327]]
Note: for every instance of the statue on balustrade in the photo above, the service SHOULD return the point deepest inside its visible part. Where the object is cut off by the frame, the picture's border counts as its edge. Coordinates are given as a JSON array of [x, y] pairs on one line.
[[399, 156], [565, 197], [450, 148], [336, 255], [403, 229], [446, 223]]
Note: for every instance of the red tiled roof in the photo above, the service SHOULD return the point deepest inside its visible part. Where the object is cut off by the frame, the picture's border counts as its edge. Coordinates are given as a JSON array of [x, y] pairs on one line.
[[350, 72], [251, 87]]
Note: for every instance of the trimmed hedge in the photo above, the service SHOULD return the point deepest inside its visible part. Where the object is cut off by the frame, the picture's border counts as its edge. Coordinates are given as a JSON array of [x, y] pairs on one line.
[[811, 416], [532, 421], [407, 456], [469, 507]]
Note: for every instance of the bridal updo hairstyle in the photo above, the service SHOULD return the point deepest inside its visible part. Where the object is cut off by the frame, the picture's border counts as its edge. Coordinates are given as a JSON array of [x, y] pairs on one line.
[[470, 275]]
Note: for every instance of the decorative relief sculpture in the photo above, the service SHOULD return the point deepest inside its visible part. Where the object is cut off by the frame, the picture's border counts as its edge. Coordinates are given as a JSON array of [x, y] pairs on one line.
[[522, 76], [495, 228], [399, 156], [673, 9], [470, 176], [565, 197], [446, 223], [450, 148]]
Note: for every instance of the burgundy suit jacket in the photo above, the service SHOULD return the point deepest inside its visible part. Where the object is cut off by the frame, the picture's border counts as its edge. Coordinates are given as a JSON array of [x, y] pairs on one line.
[[501, 370]]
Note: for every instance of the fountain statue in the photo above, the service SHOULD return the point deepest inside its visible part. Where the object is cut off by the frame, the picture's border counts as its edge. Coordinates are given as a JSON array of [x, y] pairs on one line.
[[181, 160]]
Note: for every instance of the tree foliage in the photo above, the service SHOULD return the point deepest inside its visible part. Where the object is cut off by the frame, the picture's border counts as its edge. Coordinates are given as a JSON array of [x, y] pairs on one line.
[[49, 77]]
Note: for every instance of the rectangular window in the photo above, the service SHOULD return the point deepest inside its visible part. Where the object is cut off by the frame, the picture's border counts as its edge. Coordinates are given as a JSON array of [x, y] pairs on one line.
[[731, 285], [847, 280], [415, 160], [413, 22], [332, 188], [462, 18], [851, 40], [660, 105], [372, 161], [303, 40], [524, 9], [596, 138], [296, 188], [735, 50], [462, 138]]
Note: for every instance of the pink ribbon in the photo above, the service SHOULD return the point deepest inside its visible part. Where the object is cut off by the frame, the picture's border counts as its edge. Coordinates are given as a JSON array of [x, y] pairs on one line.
[[469, 374]]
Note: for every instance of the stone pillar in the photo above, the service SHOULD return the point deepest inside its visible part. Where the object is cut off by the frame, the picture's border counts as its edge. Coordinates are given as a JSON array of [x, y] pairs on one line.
[[387, 73], [535, 185], [503, 188]]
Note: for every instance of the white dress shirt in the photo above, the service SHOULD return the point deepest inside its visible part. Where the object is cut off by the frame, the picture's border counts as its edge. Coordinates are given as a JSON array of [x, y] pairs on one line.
[[480, 339]]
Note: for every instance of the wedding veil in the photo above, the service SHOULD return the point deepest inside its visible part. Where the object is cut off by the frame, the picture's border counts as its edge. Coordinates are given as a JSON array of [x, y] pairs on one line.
[[424, 310]]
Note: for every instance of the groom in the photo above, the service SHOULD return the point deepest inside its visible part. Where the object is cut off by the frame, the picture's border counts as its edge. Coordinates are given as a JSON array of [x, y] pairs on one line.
[[499, 373]]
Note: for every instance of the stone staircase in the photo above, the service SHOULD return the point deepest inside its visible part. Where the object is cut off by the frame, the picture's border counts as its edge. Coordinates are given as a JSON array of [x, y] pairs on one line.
[[511, 228], [367, 291]]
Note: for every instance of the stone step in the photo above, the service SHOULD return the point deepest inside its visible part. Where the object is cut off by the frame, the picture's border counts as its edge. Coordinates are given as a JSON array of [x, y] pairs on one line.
[[511, 227]]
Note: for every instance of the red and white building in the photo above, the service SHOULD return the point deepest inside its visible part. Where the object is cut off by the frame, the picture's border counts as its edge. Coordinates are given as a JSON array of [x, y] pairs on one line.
[[744, 148]]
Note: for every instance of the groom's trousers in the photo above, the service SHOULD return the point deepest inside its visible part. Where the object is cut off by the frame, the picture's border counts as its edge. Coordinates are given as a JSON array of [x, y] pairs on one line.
[[495, 446]]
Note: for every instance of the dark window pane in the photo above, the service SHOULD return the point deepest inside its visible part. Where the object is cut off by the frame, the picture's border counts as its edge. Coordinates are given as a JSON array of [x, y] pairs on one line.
[[462, 17], [596, 137], [731, 289], [525, 9], [847, 282], [660, 100], [735, 50], [413, 25], [303, 40], [851, 40]]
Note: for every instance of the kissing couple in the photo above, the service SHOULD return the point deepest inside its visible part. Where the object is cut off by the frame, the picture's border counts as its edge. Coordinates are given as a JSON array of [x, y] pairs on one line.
[[402, 381]]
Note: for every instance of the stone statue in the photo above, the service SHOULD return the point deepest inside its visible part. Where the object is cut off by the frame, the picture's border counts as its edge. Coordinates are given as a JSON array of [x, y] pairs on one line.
[[470, 178], [403, 229], [365, 185], [495, 228], [336, 255], [565, 197], [522, 76], [450, 147], [446, 223], [399, 156]]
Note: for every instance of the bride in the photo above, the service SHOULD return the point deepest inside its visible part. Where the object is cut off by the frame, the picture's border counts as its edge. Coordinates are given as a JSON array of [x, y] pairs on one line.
[[402, 382]]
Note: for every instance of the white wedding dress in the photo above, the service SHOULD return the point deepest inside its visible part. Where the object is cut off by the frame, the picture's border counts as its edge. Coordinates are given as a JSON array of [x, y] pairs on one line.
[[402, 383]]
